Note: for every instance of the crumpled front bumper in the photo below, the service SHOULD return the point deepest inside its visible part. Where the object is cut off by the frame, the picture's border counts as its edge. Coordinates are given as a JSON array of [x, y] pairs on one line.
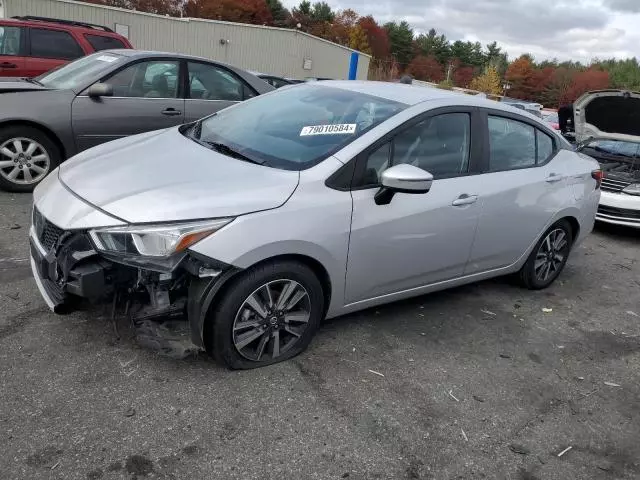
[[74, 270]]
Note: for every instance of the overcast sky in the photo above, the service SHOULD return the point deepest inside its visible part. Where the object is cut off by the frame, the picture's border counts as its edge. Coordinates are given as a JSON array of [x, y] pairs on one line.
[[576, 29]]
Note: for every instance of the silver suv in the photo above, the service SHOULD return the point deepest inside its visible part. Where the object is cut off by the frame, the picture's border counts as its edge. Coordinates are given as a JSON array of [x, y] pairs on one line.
[[312, 201]]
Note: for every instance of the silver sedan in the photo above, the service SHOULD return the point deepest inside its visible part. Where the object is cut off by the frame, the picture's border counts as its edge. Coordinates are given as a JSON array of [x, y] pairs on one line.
[[103, 97], [310, 202]]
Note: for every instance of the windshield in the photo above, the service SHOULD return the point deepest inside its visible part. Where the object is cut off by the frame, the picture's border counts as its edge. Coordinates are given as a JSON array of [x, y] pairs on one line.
[[296, 127], [77, 74], [615, 147]]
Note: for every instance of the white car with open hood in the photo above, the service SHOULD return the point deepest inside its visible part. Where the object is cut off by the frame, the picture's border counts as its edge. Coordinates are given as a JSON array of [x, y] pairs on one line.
[[607, 124]]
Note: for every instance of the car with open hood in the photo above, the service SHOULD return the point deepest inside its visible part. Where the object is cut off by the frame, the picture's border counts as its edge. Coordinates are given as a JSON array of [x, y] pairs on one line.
[[311, 201], [106, 96], [607, 126]]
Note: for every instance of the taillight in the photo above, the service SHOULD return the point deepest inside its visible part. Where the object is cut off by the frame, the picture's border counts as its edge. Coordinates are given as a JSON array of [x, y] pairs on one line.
[[597, 175]]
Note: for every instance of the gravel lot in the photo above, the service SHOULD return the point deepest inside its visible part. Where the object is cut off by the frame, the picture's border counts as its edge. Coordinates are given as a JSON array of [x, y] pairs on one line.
[[476, 382]]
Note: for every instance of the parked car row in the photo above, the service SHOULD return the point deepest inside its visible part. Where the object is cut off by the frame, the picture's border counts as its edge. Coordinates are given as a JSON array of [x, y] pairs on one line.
[[105, 96]]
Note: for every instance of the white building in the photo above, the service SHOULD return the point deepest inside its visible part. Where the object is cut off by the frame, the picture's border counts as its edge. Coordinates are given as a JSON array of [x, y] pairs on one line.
[[277, 51]]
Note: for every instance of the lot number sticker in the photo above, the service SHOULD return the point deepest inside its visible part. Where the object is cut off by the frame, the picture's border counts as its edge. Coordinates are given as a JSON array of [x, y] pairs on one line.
[[336, 129], [107, 58]]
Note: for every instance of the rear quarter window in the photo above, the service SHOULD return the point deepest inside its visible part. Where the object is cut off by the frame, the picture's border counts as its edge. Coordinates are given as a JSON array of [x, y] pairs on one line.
[[99, 42]]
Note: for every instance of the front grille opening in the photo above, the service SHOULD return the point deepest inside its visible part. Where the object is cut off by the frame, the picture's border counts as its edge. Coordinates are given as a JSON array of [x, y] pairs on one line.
[[47, 233]]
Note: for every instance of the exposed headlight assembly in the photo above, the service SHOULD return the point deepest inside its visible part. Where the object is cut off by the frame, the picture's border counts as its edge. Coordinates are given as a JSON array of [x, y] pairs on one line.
[[633, 189], [159, 247]]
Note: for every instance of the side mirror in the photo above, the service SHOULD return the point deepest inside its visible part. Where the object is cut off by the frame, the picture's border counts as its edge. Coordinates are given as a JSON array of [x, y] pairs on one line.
[[98, 90], [402, 179]]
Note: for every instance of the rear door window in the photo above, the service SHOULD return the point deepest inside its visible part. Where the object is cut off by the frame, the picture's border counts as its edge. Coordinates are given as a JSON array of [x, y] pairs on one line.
[[11, 41], [98, 42], [210, 82], [48, 43], [512, 144]]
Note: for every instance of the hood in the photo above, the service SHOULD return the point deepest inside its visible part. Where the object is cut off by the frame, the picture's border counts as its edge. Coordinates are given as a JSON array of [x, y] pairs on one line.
[[13, 84], [613, 114], [163, 176]]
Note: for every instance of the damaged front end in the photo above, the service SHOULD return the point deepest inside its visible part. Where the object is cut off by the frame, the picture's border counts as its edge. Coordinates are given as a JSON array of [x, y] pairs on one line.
[[145, 273]]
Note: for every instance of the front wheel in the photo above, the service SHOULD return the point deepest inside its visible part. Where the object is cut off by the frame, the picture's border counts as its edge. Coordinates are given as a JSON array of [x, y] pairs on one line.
[[268, 314], [548, 258], [27, 155]]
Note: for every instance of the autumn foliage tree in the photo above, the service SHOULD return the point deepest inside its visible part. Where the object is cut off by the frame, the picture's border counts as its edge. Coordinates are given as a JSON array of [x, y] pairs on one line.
[[426, 68], [462, 76], [519, 74], [243, 11], [488, 82], [159, 7], [377, 37]]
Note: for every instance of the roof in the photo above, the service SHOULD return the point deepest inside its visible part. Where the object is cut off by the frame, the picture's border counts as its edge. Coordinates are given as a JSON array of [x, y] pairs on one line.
[[88, 28], [133, 53], [413, 94]]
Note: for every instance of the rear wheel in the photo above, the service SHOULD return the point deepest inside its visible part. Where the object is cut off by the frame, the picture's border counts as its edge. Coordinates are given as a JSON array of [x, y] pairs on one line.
[[27, 155], [267, 315], [548, 258]]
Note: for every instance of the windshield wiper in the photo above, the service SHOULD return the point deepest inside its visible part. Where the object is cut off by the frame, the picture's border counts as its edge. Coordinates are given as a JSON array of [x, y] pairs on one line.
[[32, 80], [230, 152], [196, 131]]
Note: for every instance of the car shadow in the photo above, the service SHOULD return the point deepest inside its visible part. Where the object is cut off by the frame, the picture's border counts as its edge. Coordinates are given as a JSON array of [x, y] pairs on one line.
[[619, 231]]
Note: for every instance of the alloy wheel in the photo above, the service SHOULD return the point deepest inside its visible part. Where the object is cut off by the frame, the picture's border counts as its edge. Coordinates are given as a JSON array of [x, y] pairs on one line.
[[23, 161], [551, 254], [271, 320]]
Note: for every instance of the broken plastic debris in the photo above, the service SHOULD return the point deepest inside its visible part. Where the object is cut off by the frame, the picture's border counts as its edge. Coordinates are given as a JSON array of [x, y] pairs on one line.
[[376, 373], [488, 312], [464, 435], [518, 448], [564, 451], [611, 384], [633, 314], [547, 310], [452, 395]]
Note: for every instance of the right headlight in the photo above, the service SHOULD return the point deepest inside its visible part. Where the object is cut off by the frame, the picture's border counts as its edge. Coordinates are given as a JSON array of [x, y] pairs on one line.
[[162, 246], [633, 189]]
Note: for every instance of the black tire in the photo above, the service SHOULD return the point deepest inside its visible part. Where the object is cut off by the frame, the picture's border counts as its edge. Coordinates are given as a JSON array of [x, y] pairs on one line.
[[527, 275], [219, 327], [37, 136]]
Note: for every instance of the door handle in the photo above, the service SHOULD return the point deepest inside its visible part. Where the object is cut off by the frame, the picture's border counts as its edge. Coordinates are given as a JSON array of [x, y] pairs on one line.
[[554, 177], [8, 65], [171, 112], [464, 199]]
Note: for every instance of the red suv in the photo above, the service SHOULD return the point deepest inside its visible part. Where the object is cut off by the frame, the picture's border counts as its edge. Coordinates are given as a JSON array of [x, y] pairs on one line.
[[30, 46]]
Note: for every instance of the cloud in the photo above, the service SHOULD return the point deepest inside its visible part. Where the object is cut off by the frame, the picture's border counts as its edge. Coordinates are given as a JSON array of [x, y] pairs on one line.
[[577, 29], [624, 5]]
